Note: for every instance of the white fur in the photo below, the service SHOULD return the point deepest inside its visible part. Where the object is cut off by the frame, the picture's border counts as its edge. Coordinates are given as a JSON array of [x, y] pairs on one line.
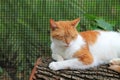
[[60, 50], [106, 48]]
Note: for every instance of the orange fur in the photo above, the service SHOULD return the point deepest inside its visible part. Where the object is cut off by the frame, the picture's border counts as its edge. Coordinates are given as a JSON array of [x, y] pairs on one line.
[[64, 30], [75, 22], [90, 36], [84, 55]]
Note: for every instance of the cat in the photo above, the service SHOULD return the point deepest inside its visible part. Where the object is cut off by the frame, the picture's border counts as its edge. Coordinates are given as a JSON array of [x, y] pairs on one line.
[[82, 50], [115, 65]]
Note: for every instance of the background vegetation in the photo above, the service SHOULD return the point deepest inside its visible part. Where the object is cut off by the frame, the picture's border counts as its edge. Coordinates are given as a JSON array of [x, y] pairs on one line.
[[24, 27]]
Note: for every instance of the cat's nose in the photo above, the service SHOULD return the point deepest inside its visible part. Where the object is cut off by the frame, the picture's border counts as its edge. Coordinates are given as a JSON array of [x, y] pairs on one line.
[[67, 43]]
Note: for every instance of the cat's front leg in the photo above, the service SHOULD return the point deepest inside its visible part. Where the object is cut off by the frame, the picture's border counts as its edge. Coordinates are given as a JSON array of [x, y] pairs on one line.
[[69, 64], [57, 57]]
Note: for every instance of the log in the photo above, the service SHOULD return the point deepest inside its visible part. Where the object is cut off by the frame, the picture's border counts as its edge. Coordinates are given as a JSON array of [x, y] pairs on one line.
[[101, 72], [32, 75]]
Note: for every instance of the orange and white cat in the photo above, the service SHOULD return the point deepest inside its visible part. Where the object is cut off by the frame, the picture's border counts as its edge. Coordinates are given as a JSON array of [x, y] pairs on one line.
[[83, 50]]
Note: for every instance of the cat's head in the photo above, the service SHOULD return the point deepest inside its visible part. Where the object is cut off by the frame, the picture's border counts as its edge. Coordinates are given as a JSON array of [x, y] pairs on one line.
[[64, 32]]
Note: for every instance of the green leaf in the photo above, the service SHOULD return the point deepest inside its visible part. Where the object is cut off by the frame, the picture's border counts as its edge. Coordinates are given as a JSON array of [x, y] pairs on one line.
[[1, 70], [104, 25], [89, 16]]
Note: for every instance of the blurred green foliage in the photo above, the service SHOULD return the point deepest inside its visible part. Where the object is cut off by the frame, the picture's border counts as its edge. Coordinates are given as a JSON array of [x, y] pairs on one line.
[[97, 23], [24, 25]]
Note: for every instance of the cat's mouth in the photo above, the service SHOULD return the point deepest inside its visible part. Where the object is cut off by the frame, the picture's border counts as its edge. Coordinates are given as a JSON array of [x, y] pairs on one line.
[[66, 45]]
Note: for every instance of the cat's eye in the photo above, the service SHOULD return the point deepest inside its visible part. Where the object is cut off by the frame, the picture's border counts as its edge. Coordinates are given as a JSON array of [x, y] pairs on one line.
[[66, 36], [73, 37], [54, 29], [59, 35]]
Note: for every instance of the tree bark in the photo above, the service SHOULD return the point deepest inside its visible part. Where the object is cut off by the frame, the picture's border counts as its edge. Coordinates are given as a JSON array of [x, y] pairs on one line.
[[97, 73]]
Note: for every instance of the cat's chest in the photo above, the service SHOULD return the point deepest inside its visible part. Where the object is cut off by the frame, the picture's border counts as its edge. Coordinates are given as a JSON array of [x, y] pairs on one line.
[[58, 47], [65, 52]]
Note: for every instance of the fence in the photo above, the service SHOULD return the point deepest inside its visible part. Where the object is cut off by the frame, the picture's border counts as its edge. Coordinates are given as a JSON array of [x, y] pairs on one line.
[[24, 28]]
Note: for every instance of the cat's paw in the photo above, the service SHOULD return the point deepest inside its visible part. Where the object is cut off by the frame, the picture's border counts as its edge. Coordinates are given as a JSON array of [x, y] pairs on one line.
[[53, 66], [115, 61]]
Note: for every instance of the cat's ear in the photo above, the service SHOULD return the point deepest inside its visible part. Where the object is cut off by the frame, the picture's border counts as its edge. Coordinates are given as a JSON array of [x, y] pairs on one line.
[[75, 22], [53, 25]]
